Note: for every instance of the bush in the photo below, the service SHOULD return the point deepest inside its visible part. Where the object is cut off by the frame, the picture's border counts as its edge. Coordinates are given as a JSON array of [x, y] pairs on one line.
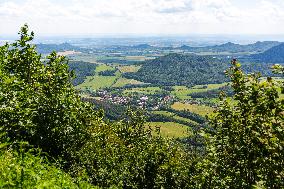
[[246, 143], [23, 168]]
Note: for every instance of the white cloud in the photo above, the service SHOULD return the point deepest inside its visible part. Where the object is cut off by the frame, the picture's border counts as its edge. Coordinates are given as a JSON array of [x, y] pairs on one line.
[[142, 16]]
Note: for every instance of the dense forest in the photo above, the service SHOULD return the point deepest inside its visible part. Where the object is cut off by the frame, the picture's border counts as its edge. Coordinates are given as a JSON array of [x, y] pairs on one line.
[[273, 55], [177, 69], [50, 138], [190, 70], [82, 70]]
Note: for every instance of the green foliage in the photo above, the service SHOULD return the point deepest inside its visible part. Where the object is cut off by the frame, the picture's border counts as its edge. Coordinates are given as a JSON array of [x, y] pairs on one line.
[[176, 69], [107, 73], [38, 102], [39, 106], [189, 70], [272, 55], [82, 70], [126, 155], [246, 143], [26, 168]]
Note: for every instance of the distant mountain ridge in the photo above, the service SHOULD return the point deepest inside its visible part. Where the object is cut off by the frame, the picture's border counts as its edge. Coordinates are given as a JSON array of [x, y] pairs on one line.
[[233, 47], [230, 47], [272, 55]]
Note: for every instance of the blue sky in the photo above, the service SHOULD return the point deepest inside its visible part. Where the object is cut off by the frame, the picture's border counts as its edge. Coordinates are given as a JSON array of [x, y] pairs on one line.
[[59, 17]]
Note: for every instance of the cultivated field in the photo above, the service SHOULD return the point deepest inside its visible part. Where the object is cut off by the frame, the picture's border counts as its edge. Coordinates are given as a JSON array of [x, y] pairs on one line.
[[195, 108], [124, 81], [170, 129]]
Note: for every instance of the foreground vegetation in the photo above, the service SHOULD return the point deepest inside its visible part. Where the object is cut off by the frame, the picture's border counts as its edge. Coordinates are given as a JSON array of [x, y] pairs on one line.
[[240, 147]]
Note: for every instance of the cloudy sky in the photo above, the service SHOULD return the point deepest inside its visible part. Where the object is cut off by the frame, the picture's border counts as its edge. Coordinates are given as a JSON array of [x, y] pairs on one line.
[[59, 17]]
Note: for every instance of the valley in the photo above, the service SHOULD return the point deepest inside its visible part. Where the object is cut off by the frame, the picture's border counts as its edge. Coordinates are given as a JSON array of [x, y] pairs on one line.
[[174, 86], [141, 116]]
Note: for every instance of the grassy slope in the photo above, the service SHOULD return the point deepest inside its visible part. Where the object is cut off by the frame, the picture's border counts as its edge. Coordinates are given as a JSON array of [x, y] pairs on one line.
[[170, 129], [195, 108], [97, 82], [123, 81], [183, 92], [128, 68], [103, 67]]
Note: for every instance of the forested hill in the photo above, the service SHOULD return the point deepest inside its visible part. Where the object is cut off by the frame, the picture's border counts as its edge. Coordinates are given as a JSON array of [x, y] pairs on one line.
[[273, 55], [233, 47], [177, 69]]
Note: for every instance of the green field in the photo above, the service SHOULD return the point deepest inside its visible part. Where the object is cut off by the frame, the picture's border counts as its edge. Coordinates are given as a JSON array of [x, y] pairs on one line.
[[123, 81], [195, 108], [210, 86], [103, 67], [183, 92], [130, 68], [97, 82], [170, 129]]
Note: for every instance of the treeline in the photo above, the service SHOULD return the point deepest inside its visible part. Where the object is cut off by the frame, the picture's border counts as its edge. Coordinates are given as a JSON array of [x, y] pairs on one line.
[[108, 72], [213, 93], [81, 70], [187, 114]]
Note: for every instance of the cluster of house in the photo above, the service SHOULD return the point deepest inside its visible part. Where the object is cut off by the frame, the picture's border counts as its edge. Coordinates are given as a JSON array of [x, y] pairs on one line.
[[105, 96], [143, 101]]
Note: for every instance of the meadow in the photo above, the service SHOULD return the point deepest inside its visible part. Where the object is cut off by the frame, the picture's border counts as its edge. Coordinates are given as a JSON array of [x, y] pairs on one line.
[[202, 110], [128, 68], [170, 129], [183, 92]]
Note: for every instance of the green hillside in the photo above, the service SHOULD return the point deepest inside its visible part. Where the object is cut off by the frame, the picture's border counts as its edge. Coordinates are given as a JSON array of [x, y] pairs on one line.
[[273, 55], [177, 69]]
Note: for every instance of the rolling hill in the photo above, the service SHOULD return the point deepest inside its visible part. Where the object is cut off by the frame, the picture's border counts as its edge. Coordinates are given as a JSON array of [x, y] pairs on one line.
[[272, 55], [233, 47], [177, 69], [190, 69]]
